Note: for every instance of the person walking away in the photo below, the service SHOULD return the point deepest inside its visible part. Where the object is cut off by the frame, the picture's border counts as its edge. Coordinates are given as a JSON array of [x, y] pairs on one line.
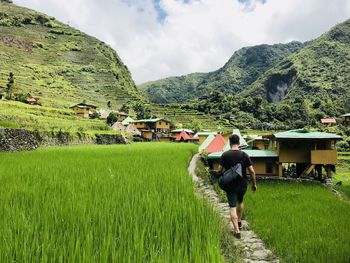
[[235, 196]]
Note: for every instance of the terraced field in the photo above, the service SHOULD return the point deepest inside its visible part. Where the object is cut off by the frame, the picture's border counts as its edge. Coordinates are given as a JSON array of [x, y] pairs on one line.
[[190, 118], [129, 203]]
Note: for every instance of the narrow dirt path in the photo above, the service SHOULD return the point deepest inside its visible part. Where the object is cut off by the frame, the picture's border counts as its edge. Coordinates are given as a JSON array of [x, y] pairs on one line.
[[253, 247]]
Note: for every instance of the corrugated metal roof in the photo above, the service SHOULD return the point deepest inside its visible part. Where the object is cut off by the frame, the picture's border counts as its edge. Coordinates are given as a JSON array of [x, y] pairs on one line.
[[180, 130], [328, 120], [150, 120], [251, 153], [206, 142], [182, 136], [216, 145], [305, 134], [205, 133], [346, 115]]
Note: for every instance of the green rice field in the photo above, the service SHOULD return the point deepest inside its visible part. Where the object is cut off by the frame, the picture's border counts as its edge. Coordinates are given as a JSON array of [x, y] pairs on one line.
[[131, 203], [301, 222]]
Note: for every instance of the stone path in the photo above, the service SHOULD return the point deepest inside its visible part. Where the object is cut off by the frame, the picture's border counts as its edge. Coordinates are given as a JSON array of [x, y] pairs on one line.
[[252, 246]]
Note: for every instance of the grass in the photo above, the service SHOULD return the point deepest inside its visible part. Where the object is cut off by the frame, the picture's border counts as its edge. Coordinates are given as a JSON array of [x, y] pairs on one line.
[[343, 174], [300, 222], [128, 203]]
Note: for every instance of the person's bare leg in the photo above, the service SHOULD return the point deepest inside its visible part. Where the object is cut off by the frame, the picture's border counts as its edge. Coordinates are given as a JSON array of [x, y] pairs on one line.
[[240, 208], [234, 219]]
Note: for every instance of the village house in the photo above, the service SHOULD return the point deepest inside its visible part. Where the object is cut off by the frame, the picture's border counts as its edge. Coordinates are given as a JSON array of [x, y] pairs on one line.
[[184, 137], [346, 119], [83, 110], [309, 152], [121, 116], [265, 162], [176, 132], [33, 101], [328, 121], [158, 125]]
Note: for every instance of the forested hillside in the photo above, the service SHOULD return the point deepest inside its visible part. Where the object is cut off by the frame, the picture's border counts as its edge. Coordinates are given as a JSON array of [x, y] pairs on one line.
[[242, 69]]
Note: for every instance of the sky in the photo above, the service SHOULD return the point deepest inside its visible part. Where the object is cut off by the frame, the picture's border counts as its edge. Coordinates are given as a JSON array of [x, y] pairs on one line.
[[161, 38]]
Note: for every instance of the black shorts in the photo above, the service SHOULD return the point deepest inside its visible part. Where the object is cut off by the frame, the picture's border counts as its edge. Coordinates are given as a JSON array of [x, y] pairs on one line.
[[236, 195]]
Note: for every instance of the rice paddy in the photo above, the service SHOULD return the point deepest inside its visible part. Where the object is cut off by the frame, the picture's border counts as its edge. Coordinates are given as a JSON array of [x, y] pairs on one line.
[[301, 222], [132, 203]]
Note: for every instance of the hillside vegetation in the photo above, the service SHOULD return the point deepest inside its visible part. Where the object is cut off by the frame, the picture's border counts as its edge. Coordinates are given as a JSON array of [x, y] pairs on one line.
[[243, 68], [59, 64], [318, 71]]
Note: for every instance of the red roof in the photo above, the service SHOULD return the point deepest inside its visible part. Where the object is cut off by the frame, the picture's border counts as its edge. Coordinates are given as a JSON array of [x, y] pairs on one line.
[[216, 145], [182, 136], [32, 100], [328, 121]]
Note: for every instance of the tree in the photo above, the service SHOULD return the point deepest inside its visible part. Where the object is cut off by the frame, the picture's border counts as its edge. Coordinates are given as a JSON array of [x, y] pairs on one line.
[[112, 118], [109, 104], [9, 86], [142, 112], [125, 108]]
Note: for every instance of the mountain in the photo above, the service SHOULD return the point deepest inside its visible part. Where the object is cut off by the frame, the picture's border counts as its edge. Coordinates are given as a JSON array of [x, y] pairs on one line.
[[308, 85], [58, 63], [242, 69], [319, 71]]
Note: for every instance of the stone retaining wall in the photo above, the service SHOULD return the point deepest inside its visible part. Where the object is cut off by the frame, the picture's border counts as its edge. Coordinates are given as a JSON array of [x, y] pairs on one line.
[[23, 140], [17, 140]]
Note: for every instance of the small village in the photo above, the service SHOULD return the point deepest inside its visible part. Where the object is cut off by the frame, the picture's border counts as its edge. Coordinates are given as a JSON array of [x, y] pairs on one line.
[[294, 153]]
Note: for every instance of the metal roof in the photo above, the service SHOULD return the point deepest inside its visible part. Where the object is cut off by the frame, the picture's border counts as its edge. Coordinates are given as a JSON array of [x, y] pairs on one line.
[[251, 153], [305, 134], [346, 115], [127, 121], [206, 142], [216, 145], [180, 130], [150, 120], [205, 133]]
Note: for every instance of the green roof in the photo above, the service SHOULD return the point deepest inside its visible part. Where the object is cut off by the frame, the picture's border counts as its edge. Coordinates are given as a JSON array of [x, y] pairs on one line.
[[206, 142], [305, 134], [151, 120], [205, 133], [251, 153], [127, 121]]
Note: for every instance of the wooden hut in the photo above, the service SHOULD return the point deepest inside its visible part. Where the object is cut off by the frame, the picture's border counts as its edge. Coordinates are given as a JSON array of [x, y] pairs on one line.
[[346, 119], [83, 110], [265, 162], [308, 150], [157, 125], [328, 121], [182, 137]]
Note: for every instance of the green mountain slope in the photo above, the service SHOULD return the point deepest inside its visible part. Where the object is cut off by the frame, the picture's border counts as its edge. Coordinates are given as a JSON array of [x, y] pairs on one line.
[[310, 84], [59, 64], [319, 71], [243, 68]]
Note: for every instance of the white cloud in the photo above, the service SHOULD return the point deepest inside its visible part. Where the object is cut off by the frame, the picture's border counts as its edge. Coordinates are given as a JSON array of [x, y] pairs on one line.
[[199, 35]]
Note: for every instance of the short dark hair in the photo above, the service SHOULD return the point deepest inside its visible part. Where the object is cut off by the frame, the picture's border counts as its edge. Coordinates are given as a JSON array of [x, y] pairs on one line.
[[234, 139]]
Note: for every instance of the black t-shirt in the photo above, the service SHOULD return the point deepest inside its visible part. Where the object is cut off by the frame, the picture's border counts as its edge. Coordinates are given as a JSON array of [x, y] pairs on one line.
[[231, 157]]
